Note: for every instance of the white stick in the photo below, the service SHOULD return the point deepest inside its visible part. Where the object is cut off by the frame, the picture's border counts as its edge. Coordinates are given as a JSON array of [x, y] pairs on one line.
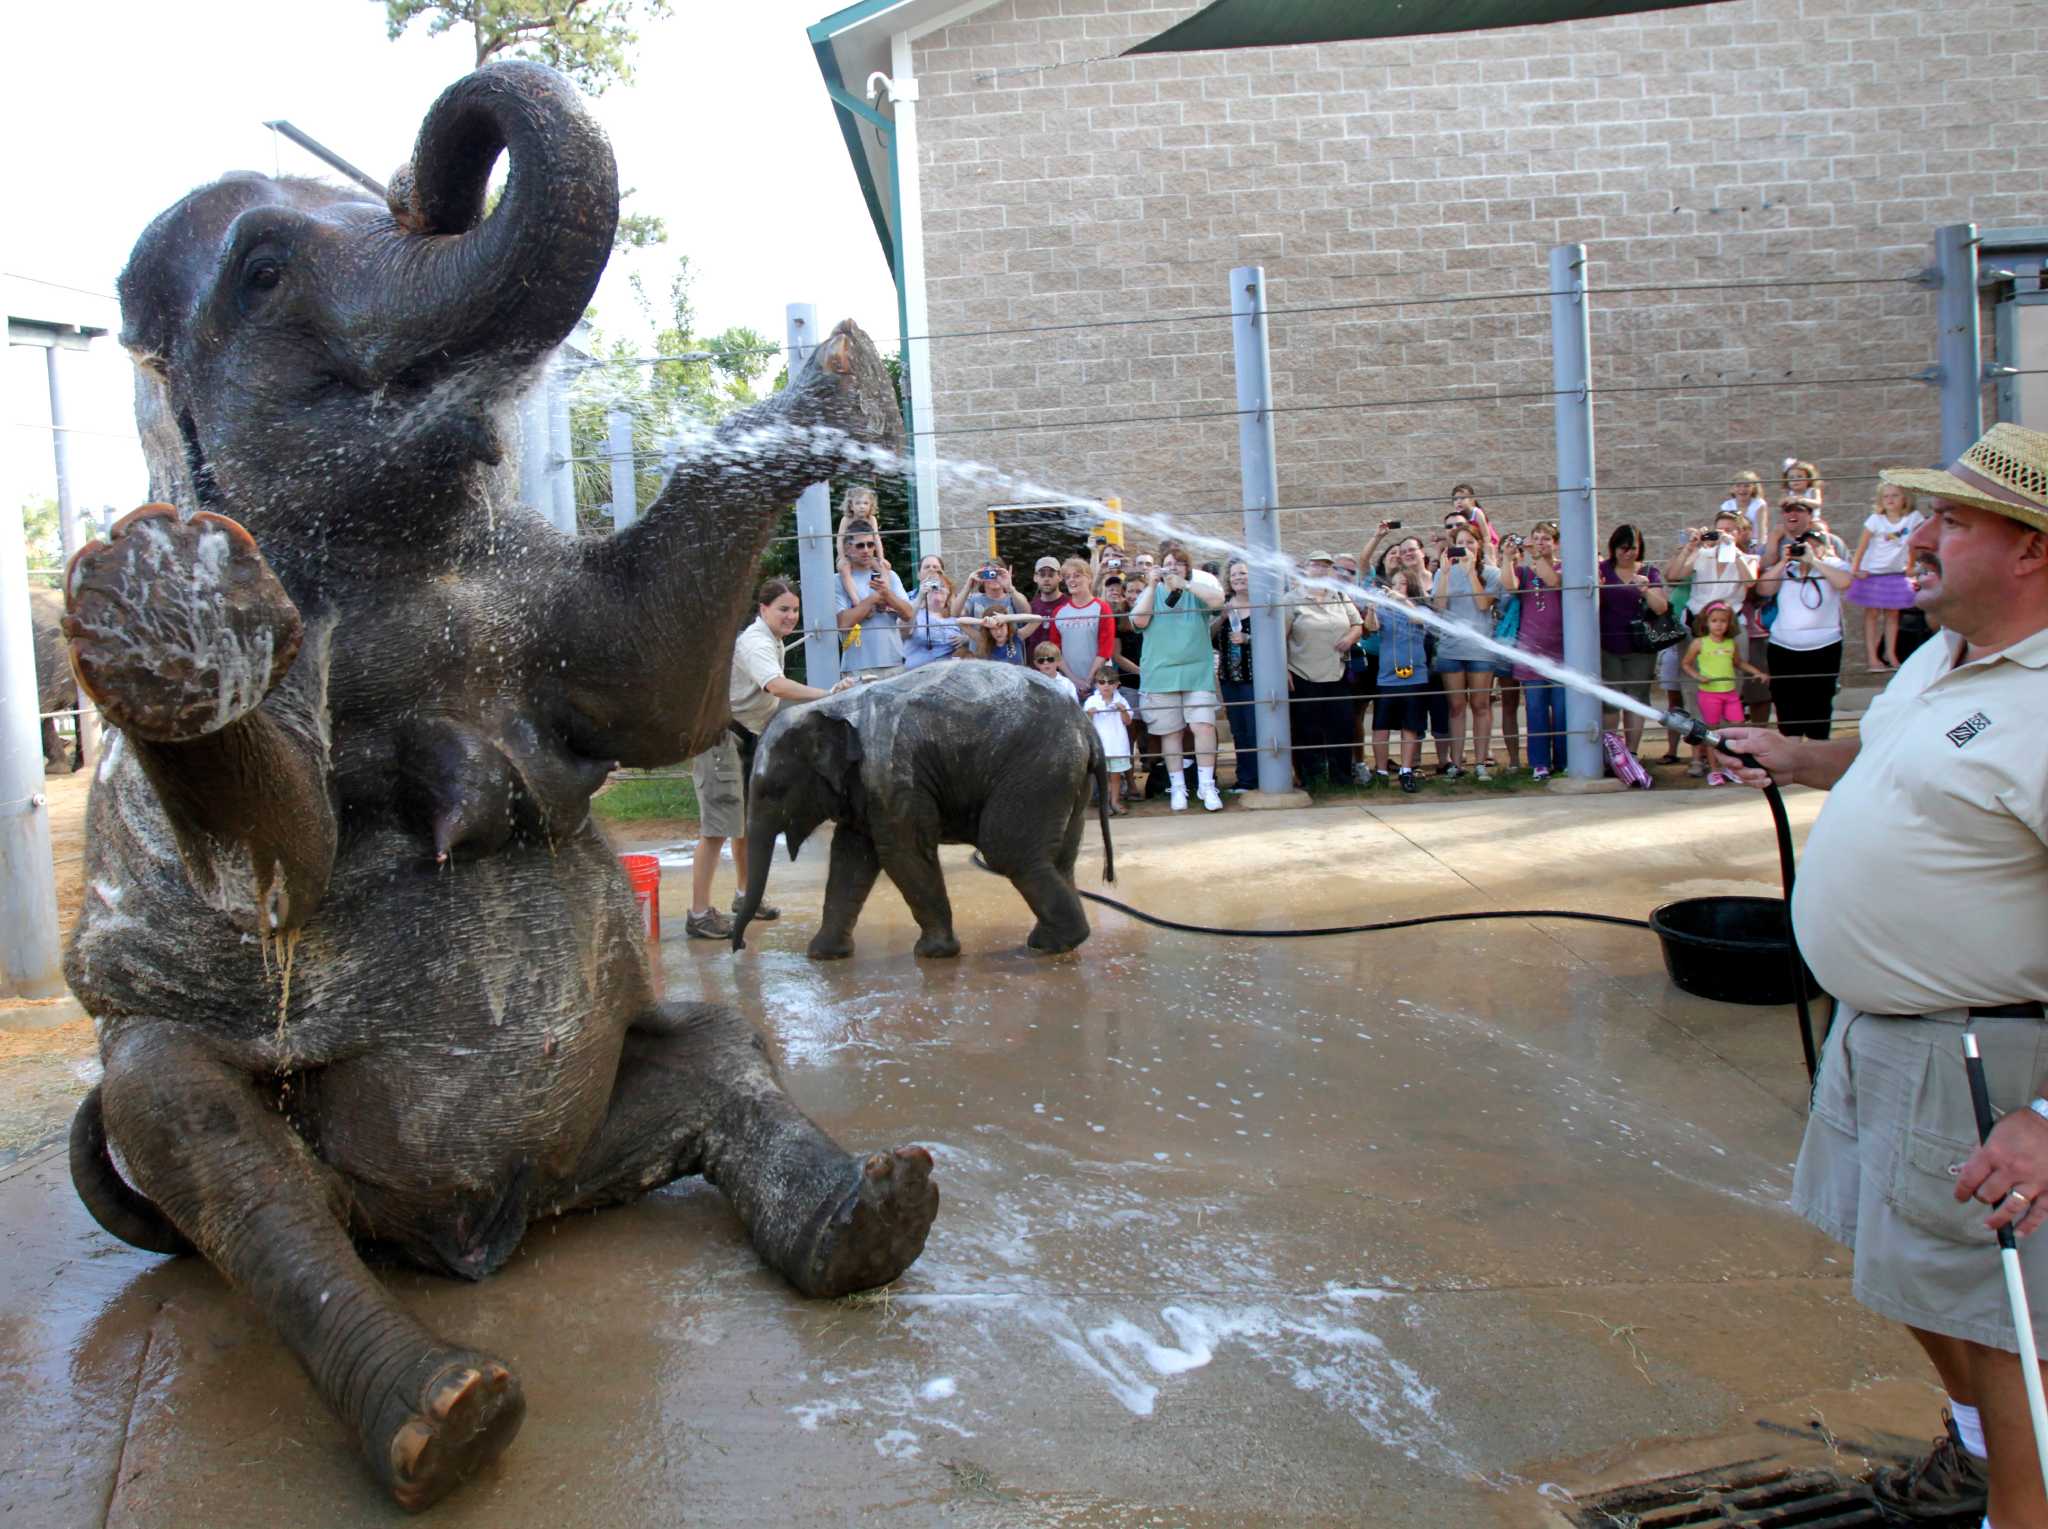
[[2030, 1361]]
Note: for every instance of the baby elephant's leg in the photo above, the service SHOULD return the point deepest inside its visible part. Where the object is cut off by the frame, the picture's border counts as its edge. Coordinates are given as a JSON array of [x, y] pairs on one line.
[[697, 1093], [241, 1185]]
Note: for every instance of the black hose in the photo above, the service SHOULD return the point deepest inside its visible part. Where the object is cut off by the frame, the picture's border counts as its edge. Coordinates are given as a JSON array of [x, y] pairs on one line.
[[1680, 722], [1388, 923], [1783, 828]]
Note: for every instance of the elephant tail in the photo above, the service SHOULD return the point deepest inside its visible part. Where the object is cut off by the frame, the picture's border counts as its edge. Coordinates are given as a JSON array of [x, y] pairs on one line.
[[1098, 767], [123, 1211]]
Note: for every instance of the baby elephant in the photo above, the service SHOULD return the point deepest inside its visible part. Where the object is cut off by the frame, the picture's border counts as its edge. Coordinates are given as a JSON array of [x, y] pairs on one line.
[[966, 752]]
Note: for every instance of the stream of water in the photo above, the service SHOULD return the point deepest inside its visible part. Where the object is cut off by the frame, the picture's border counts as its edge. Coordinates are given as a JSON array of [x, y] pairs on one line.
[[1086, 511]]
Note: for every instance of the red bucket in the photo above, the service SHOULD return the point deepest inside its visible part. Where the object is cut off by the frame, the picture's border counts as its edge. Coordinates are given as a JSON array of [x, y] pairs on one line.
[[644, 873]]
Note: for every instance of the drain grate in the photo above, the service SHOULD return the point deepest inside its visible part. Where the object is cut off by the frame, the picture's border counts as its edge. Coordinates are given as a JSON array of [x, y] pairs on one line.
[[1758, 1494]]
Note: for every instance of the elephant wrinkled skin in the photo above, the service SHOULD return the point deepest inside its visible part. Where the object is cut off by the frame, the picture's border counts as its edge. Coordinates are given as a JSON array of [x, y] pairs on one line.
[[965, 752], [364, 972]]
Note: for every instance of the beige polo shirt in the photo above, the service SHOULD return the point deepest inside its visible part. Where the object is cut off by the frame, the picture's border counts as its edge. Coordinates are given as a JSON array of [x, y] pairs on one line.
[[1924, 884], [1312, 632], [756, 659]]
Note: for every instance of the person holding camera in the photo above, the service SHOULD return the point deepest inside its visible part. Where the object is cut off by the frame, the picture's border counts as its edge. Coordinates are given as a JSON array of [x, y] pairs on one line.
[[934, 632], [1721, 574], [756, 688], [1804, 649], [1539, 580], [872, 606], [1177, 672], [989, 588], [1628, 588], [1465, 589]]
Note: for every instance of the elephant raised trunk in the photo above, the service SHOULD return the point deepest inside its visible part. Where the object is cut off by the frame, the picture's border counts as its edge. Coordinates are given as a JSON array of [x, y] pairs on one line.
[[519, 278]]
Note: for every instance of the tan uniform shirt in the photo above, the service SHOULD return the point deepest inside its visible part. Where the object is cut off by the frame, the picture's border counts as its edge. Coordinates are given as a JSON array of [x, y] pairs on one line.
[[1924, 884], [1317, 622], [756, 659]]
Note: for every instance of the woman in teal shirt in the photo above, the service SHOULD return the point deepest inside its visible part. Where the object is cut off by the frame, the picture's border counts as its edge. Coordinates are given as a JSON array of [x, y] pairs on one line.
[[1177, 669]]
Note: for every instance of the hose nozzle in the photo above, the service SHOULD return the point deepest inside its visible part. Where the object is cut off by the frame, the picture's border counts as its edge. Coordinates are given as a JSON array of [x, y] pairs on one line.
[[1690, 728]]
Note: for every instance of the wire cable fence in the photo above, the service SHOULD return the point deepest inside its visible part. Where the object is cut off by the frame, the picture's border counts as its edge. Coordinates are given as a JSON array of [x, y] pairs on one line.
[[1457, 395]]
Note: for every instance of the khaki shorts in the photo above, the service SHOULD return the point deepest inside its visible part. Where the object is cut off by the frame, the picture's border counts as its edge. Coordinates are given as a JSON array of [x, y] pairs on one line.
[[1171, 710], [721, 793], [1890, 1126]]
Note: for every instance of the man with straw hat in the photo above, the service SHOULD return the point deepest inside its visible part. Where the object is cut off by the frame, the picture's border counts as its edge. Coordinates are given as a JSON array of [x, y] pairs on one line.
[[1922, 905]]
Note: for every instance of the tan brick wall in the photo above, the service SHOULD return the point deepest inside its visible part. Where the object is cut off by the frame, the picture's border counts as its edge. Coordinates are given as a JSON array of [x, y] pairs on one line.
[[1758, 140]]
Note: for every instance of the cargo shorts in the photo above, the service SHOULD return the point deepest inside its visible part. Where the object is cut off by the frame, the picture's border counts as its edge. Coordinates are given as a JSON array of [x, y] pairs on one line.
[[721, 792], [1891, 1126]]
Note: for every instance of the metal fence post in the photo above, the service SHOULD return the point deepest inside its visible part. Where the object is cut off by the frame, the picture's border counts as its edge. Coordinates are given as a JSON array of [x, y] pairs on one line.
[[1261, 474], [625, 481], [814, 556], [86, 718], [1959, 349], [1578, 519], [561, 448], [30, 957]]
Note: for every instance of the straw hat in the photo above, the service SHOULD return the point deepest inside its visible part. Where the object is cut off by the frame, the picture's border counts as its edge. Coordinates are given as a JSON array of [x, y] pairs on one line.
[[2006, 472]]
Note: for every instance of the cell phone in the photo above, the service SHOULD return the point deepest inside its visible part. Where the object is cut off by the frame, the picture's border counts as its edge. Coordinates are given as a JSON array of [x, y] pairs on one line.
[[1710, 536], [1393, 525], [1454, 553]]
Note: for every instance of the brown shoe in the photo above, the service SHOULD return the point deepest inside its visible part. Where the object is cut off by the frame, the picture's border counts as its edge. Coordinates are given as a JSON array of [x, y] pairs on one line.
[[708, 925], [1949, 1483]]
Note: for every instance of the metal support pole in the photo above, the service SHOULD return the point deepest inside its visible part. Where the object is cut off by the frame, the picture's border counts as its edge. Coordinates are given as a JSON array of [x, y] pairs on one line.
[[561, 447], [1259, 468], [30, 958], [814, 554], [67, 532], [60, 447], [534, 489], [1578, 517], [625, 482], [1959, 348]]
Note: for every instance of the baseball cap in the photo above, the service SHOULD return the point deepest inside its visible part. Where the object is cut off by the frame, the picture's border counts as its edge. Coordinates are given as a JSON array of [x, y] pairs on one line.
[[1046, 562]]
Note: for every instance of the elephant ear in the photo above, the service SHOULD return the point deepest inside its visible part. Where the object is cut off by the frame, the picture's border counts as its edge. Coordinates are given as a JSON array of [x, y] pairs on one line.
[[836, 756]]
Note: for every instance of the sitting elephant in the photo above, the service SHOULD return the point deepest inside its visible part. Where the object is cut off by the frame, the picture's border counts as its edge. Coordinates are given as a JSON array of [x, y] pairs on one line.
[[56, 690], [362, 968], [967, 752]]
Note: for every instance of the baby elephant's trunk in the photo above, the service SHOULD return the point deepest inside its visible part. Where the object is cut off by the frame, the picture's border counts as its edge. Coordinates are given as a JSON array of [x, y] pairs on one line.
[[760, 855]]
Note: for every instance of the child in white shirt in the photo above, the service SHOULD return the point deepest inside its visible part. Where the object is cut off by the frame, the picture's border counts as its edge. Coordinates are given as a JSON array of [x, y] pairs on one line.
[[1111, 714], [1882, 587]]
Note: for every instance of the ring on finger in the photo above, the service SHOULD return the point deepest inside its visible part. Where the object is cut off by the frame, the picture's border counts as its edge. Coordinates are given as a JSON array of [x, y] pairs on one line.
[[2014, 1194]]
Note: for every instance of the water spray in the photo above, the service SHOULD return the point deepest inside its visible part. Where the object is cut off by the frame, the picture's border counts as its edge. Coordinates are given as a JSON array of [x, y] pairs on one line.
[[1083, 512]]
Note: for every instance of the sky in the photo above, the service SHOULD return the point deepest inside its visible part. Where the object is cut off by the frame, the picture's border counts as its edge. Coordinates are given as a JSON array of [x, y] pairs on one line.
[[116, 109]]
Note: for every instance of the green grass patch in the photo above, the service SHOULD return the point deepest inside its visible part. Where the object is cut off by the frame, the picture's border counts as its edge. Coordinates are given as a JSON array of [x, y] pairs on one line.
[[634, 798]]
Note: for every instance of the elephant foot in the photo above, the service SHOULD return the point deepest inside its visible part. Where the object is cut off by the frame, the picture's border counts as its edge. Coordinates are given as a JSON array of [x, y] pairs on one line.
[[876, 1229], [937, 947], [834, 949], [177, 627], [1046, 942], [457, 1421]]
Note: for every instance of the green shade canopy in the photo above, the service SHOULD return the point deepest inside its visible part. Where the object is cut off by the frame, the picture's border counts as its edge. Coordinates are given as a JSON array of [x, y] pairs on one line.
[[1277, 23]]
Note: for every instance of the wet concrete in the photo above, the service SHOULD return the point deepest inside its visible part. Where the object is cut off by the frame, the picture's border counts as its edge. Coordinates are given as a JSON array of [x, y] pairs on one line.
[[1423, 1227]]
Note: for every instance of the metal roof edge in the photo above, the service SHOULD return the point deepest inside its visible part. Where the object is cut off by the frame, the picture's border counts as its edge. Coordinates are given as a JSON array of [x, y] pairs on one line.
[[849, 129]]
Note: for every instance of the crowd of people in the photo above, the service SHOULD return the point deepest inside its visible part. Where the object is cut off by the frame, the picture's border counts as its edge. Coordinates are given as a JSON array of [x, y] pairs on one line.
[[1386, 650]]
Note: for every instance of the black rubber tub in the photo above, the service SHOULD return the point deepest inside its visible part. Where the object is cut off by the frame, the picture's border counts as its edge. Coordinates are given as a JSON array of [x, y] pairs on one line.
[[1731, 949]]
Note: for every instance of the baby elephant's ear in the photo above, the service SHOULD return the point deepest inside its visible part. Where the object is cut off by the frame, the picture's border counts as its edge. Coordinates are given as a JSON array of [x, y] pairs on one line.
[[835, 751]]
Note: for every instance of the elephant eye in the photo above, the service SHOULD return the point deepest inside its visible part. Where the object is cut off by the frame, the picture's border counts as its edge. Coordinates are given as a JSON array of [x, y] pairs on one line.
[[264, 274]]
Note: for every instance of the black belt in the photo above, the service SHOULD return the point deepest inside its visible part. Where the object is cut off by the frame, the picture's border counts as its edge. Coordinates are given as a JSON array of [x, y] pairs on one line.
[[2031, 1010]]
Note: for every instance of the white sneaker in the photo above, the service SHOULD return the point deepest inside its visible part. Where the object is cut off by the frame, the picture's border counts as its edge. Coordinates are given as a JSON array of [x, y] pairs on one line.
[[1210, 799], [1177, 797]]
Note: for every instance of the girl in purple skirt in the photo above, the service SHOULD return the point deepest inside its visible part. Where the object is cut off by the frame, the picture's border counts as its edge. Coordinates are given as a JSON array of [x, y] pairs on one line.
[[1879, 567]]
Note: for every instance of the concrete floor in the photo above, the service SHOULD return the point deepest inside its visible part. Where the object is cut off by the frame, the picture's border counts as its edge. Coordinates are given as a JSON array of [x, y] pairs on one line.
[[1437, 1226]]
